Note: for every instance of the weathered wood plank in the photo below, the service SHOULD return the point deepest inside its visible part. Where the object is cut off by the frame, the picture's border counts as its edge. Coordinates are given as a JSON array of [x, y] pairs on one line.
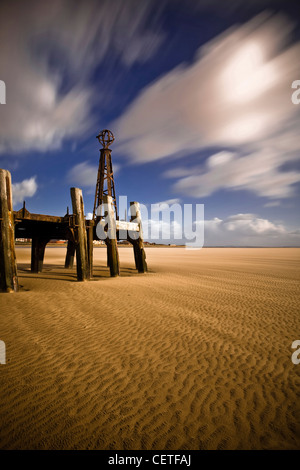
[[26, 215]]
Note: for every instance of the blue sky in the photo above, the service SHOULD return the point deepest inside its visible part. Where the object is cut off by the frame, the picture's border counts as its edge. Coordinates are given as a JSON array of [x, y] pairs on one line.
[[197, 93]]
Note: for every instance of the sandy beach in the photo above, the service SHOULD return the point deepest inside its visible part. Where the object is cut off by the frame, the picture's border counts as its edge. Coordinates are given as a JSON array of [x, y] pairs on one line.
[[195, 354]]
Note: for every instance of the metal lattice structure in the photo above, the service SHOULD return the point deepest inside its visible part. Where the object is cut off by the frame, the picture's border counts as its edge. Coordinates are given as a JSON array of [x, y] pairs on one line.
[[105, 185]]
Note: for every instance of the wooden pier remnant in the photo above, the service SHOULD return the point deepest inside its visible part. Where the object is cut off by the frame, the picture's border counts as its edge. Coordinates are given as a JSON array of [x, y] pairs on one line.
[[8, 264], [79, 232]]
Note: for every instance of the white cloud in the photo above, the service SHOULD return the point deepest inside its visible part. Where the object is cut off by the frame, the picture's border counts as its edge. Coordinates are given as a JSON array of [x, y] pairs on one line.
[[249, 224], [235, 230], [27, 188], [45, 45], [248, 229], [235, 95], [166, 230]]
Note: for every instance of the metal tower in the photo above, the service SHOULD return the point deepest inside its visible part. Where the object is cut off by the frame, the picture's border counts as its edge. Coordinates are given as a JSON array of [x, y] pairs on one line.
[[105, 179]]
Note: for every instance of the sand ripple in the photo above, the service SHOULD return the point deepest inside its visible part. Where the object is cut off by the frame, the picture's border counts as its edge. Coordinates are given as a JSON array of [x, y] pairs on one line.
[[196, 354]]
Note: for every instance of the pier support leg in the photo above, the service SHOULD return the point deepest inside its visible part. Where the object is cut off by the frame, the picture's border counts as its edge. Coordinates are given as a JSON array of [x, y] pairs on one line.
[[111, 240], [90, 246], [138, 243], [8, 264], [107, 255], [69, 262], [37, 253], [81, 237]]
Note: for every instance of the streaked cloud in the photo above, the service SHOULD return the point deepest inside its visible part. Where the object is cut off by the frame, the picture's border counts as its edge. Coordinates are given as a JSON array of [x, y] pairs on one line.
[[259, 172], [169, 201], [48, 54], [235, 95], [272, 204], [85, 175], [163, 205]]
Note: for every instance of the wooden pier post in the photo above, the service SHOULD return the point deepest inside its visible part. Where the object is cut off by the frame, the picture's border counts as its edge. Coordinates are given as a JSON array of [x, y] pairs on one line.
[[81, 237], [8, 264], [38, 246], [90, 245], [138, 245], [111, 240], [69, 262]]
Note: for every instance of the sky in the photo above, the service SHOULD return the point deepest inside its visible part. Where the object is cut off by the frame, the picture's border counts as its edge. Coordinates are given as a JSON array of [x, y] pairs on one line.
[[198, 95]]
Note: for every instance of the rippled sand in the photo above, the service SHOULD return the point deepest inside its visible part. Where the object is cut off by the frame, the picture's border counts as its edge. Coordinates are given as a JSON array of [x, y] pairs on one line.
[[195, 354]]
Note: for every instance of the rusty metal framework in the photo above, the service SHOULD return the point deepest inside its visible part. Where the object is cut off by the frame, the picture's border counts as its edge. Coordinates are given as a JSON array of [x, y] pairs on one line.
[[105, 185]]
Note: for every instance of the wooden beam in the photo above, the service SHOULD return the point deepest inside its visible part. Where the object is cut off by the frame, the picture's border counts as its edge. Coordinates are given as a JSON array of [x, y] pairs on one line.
[[24, 214], [8, 264], [80, 235]]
